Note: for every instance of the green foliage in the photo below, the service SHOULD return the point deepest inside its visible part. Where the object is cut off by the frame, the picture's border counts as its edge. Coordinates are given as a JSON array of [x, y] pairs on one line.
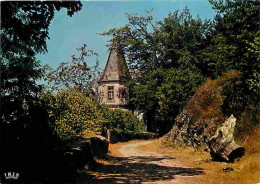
[[248, 120], [167, 57], [122, 120], [235, 46], [158, 53], [177, 87], [163, 93], [24, 30], [25, 133], [72, 113]]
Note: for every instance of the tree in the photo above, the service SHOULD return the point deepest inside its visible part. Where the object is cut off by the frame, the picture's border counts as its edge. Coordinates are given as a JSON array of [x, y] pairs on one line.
[[168, 57], [24, 30], [77, 74], [162, 94], [174, 42], [235, 46]]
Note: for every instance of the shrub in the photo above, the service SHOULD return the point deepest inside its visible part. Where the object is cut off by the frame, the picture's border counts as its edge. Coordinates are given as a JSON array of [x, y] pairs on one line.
[[122, 120], [212, 102], [208, 99], [71, 112]]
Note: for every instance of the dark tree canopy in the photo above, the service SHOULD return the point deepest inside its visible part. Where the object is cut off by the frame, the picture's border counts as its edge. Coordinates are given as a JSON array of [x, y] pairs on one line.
[[235, 46], [26, 134], [26, 24], [24, 30]]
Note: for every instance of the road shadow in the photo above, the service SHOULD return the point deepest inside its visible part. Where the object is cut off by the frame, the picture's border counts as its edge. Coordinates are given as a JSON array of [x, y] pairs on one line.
[[135, 169]]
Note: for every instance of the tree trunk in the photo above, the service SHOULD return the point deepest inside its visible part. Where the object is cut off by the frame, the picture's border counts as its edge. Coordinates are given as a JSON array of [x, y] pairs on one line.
[[150, 121]]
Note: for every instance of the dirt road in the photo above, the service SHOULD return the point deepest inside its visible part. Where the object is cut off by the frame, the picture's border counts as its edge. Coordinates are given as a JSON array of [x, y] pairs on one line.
[[128, 163]]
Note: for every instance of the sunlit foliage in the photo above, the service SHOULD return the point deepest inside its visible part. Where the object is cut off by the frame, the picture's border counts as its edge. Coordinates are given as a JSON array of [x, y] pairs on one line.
[[71, 112], [122, 120]]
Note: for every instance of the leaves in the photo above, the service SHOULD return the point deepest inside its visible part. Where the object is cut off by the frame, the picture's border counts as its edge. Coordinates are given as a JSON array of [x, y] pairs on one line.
[[72, 113], [234, 47], [76, 74], [122, 120], [165, 57], [24, 30], [170, 58]]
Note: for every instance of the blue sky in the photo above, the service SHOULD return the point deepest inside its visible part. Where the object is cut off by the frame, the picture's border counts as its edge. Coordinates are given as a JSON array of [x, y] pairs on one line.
[[68, 33]]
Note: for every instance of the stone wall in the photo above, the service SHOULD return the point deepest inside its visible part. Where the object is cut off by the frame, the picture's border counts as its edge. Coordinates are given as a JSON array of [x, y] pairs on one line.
[[82, 151], [99, 146]]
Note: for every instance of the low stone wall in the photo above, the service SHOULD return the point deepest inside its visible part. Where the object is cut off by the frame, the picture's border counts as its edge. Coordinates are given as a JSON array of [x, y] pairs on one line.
[[99, 146], [115, 136], [82, 151]]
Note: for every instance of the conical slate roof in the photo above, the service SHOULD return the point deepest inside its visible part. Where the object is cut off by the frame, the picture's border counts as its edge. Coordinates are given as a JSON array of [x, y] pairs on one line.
[[116, 67]]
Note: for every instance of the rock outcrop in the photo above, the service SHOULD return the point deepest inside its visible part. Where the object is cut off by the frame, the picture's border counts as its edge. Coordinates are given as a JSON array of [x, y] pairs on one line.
[[186, 132], [201, 122], [220, 141], [222, 145]]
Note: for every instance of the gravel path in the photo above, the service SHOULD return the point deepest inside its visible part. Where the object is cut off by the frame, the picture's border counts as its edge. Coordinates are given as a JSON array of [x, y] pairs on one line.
[[133, 165]]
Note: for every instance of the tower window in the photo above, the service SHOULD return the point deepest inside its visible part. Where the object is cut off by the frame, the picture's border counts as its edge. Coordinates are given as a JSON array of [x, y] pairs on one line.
[[110, 92]]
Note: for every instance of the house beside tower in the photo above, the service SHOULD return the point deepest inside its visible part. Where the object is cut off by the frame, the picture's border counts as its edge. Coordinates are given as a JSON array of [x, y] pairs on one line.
[[112, 84]]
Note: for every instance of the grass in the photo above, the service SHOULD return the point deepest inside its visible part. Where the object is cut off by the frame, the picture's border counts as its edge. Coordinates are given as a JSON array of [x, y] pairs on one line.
[[246, 170]]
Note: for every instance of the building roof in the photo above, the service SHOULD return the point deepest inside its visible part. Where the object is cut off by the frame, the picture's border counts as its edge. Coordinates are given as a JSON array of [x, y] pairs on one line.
[[116, 67]]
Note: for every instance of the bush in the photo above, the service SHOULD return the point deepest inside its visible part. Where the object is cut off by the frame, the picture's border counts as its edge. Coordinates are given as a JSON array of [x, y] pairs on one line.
[[122, 120], [208, 99], [71, 112], [212, 101], [117, 135]]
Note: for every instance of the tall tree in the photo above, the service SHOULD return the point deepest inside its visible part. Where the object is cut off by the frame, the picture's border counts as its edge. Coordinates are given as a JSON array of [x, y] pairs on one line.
[[26, 137], [162, 94], [173, 42], [235, 46], [163, 50], [24, 30]]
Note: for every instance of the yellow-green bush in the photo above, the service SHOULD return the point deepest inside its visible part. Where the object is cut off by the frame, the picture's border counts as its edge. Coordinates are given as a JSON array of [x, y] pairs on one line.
[[122, 120], [71, 112]]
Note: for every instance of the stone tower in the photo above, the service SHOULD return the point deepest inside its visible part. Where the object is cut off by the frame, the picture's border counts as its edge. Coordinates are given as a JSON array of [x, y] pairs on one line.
[[112, 89]]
